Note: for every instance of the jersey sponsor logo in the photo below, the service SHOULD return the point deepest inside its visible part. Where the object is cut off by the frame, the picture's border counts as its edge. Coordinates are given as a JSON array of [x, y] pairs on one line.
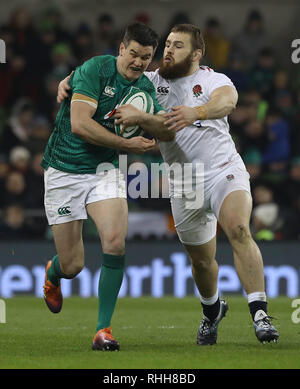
[[197, 90], [64, 211], [230, 177], [109, 91], [163, 90]]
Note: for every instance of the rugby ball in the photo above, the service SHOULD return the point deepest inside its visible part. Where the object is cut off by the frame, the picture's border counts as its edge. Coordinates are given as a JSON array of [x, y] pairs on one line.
[[140, 100]]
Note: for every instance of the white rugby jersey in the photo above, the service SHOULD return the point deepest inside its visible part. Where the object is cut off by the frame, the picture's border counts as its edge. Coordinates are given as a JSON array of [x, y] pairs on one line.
[[206, 141]]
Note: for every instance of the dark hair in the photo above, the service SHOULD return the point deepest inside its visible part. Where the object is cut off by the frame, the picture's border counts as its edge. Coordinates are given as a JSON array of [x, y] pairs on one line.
[[142, 34], [195, 33]]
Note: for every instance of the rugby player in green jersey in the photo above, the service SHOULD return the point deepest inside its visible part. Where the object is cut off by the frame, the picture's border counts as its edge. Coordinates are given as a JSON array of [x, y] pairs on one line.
[[81, 170]]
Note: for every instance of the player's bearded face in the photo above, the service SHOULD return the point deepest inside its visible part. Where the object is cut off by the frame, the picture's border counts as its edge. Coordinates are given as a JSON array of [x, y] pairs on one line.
[[171, 69]]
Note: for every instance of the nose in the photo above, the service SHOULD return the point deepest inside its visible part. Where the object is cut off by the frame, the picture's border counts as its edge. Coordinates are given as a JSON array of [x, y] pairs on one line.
[[169, 51], [138, 62]]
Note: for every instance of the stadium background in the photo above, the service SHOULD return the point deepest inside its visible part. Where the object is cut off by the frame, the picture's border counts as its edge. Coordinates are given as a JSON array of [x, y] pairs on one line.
[[44, 43]]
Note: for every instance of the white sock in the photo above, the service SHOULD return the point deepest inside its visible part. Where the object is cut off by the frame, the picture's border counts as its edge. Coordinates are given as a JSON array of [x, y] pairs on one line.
[[256, 296], [209, 300]]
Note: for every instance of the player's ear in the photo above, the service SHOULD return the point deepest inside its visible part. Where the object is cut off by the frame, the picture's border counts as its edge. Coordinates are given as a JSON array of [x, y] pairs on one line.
[[121, 49], [197, 55]]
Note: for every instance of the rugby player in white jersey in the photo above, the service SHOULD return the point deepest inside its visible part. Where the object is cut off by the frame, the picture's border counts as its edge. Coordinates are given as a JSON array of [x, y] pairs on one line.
[[197, 101]]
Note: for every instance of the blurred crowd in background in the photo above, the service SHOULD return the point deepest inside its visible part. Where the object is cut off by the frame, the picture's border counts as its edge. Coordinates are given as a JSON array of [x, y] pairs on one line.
[[265, 126]]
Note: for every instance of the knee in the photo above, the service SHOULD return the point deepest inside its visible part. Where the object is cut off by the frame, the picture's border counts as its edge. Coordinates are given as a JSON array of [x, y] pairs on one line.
[[71, 270], [113, 244], [201, 264], [239, 233]]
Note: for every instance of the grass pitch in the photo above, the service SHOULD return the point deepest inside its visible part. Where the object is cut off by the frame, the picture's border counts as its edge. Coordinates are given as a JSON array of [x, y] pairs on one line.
[[153, 333]]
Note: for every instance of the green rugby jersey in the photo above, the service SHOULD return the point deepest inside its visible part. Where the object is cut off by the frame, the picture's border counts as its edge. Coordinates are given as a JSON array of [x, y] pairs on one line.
[[99, 80]]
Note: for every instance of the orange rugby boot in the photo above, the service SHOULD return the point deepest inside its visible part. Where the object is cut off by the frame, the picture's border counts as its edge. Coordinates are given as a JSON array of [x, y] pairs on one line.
[[52, 293], [104, 341]]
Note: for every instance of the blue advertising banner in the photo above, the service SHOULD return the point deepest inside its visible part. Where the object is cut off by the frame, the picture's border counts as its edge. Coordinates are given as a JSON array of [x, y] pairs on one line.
[[155, 268]]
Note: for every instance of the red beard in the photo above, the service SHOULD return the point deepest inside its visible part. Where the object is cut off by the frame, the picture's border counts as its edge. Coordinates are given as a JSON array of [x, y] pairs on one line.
[[181, 69]]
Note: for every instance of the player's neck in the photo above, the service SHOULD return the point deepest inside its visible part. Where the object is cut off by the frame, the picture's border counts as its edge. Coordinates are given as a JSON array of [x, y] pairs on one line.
[[193, 69]]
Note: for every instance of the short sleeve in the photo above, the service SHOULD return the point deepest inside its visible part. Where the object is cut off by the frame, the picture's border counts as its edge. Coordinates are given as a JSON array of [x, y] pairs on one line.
[[217, 80], [86, 80]]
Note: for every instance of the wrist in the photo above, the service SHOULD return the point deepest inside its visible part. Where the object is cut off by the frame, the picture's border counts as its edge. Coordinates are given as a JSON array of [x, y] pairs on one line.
[[202, 113], [141, 119], [123, 144]]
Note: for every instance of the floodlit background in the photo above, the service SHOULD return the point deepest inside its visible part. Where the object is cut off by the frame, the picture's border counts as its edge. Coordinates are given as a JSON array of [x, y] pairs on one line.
[[251, 42]]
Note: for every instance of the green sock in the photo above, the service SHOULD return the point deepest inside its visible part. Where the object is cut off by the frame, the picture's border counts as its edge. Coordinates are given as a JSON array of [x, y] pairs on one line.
[[54, 274], [110, 282]]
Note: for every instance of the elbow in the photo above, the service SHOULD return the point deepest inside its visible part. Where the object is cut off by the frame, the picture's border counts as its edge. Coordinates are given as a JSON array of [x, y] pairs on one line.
[[231, 107], [76, 127]]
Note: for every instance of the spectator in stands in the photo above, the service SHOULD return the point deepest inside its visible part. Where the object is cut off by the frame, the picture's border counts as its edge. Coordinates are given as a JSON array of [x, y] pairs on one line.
[[249, 42], [35, 182], [4, 170], [262, 74], [277, 152], [266, 218], [15, 225], [216, 45], [54, 19], [12, 225], [24, 33], [19, 159], [236, 71], [39, 135], [83, 44], [14, 190], [106, 35], [62, 61], [252, 98], [254, 136], [47, 104], [252, 159], [19, 126]]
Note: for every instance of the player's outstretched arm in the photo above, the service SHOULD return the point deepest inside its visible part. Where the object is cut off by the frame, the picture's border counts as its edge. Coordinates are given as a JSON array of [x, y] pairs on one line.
[[222, 102], [153, 124], [90, 131]]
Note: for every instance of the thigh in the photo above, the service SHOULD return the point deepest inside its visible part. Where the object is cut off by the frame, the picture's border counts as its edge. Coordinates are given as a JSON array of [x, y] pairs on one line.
[[235, 178], [69, 243], [194, 227], [65, 196], [235, 210], [204, 253], [111, 218]]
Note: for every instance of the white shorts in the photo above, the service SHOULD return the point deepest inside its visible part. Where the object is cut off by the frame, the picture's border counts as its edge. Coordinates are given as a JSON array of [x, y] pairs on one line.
[[67, 194], [198, 226]]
